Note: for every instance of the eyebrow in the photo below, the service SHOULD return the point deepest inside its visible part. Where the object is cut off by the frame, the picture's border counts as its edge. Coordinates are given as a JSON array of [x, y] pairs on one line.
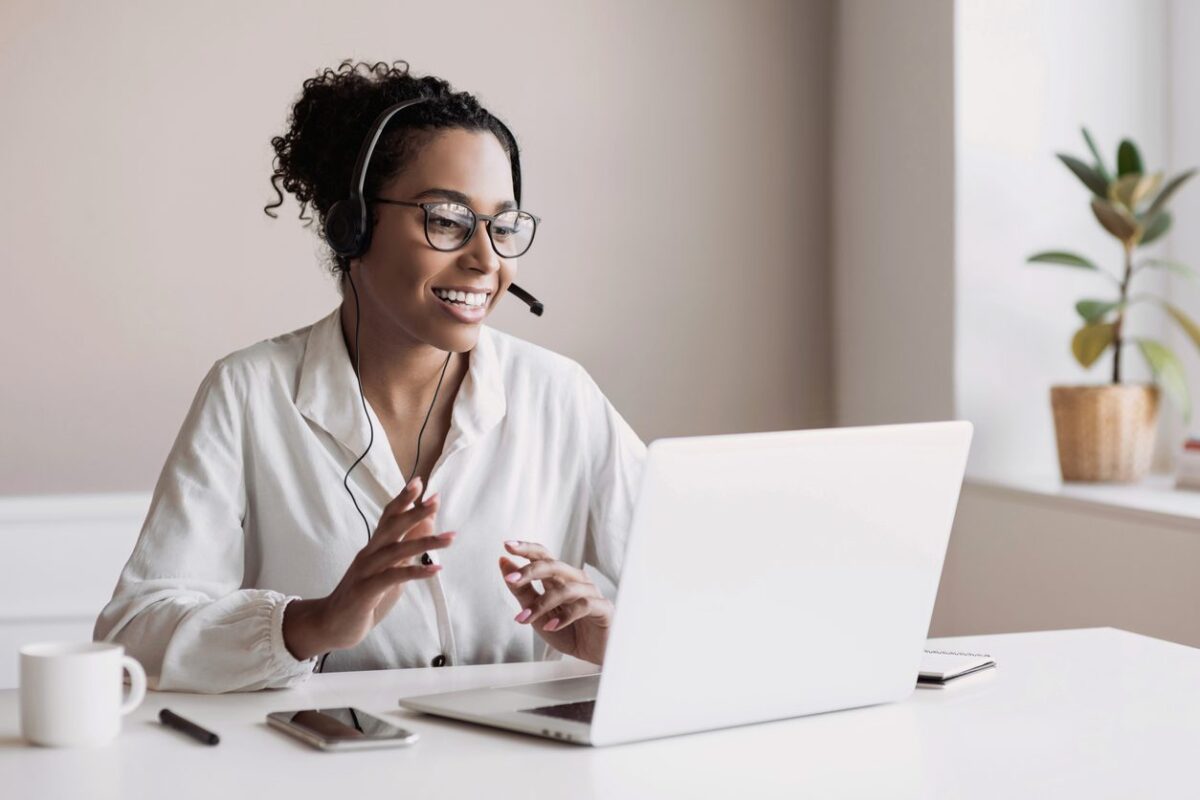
[[459, 197]]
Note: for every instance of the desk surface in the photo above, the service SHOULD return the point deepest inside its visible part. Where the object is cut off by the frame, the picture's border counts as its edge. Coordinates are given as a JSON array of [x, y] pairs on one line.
[[1082, 713]]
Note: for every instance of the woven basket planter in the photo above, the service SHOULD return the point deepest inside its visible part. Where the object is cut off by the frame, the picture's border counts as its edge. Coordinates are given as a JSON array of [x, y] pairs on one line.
[[1105, 433]]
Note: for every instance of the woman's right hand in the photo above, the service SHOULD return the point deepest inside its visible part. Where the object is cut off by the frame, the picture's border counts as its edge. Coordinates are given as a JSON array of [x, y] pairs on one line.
[[372, 583]]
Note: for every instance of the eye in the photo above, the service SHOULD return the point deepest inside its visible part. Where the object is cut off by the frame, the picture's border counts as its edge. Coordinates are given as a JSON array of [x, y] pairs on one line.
[[510, 223]]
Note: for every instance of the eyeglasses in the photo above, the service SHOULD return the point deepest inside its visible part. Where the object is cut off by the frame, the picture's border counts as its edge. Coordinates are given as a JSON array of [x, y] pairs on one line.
[[449, 226]]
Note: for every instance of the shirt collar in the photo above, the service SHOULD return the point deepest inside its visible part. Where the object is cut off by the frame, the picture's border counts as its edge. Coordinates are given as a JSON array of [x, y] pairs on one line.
[[328, 395]]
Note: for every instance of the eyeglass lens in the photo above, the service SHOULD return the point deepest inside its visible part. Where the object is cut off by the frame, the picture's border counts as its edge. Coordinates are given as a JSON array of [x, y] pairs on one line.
[[449, 224]]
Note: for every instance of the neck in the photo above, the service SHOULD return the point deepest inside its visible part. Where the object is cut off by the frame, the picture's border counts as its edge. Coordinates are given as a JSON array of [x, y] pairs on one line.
[[399, 374]]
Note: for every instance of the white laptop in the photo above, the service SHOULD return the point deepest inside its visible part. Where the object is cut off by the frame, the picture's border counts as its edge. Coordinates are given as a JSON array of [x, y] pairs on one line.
[[767, 576]]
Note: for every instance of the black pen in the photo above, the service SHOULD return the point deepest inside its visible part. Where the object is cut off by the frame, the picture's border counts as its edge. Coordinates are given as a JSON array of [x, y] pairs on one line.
[[173, 720]]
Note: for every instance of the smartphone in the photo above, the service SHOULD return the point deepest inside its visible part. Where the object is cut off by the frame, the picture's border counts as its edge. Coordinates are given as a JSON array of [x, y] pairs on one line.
[[340, 728]]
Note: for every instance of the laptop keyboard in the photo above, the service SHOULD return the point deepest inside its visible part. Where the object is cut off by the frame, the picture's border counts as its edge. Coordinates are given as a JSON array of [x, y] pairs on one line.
[[578, 712]]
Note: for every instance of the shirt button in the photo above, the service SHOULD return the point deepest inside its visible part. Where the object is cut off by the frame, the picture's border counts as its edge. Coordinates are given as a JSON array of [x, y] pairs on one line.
[[439, 660], [425, 559]]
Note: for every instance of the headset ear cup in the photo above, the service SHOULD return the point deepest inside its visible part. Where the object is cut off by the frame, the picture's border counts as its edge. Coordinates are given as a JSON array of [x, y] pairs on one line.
[[343, 228]]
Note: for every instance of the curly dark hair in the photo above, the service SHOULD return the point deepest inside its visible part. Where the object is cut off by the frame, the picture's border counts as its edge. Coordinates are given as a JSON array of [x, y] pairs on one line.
[[314, 160]]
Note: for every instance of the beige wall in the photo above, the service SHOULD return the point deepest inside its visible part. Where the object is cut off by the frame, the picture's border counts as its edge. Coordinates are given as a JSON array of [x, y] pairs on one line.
[[676, 150], [893, 218]]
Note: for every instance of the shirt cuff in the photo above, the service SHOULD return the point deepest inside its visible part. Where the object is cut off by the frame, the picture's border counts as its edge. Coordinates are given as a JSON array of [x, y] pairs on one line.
[[284, 662]]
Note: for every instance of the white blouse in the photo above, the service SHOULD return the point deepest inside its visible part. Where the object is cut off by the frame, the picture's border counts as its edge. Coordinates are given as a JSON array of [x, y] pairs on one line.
[[250, 513]]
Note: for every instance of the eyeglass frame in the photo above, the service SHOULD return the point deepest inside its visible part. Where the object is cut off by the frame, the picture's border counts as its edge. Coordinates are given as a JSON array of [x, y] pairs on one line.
[[489, 218]]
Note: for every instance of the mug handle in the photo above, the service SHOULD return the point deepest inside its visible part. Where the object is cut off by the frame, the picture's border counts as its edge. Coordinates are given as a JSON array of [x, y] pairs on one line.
[[137, 684]]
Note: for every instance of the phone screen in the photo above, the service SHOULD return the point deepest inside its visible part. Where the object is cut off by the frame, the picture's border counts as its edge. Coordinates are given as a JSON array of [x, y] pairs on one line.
[[341, 725]]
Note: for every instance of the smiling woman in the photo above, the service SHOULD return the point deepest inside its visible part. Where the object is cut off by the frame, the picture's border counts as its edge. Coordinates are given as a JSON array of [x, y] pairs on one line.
[[254, 514]]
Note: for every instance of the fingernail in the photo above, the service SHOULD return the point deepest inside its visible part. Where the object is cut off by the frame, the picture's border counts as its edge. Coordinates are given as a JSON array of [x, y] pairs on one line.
[[524, 615], [551, 625], [447, 535], [512, 577], [512, 543], [415, 483]]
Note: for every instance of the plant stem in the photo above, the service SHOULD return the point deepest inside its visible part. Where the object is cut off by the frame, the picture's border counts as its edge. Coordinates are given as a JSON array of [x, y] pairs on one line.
[[1117, 341]]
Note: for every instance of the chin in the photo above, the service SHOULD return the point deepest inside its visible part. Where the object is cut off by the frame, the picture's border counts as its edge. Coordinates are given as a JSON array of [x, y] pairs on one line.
[[456, 341], [457, 329]]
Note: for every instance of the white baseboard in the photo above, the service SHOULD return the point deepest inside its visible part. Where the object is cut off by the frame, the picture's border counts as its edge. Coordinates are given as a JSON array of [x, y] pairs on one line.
[[60, 556]]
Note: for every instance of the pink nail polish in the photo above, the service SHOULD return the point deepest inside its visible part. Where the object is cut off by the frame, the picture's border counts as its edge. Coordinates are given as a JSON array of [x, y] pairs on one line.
[[524, 615], [551, 625], [512, 577]]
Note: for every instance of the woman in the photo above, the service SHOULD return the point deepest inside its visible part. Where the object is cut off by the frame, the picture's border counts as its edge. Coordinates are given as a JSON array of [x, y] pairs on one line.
[[256, 563]]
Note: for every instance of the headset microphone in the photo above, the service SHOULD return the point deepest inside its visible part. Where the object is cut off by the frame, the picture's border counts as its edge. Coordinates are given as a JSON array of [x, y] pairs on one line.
[[534, 304]]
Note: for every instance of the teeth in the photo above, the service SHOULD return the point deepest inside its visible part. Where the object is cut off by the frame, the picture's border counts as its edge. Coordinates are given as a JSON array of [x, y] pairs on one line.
[[465, 298]]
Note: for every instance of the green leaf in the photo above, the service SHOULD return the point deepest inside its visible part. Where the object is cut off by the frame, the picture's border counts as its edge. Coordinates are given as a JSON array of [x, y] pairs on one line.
[[1115, 219], [1130, 190], [1091, 179], [1168, 372], [1145, 187], [1187, 323], [1173, 266], [1061, 257], [1169, 190], [1121, 190], [1156, 226], [1091, 341], [1128, 158], [1094, 310], [1099, 167]]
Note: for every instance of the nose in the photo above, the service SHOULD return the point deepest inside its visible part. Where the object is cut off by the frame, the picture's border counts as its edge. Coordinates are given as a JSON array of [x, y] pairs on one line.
[[479, 254]]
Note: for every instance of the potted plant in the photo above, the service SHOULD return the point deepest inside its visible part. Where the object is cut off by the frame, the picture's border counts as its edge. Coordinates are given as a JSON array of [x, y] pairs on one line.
[[1106, 432]]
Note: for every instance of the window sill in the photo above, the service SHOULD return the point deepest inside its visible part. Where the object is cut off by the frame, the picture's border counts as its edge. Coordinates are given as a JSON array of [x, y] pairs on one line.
[[1155, 498]]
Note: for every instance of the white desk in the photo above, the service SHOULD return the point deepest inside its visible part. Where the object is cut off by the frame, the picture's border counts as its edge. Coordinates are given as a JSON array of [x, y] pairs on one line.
[[1085, 713]]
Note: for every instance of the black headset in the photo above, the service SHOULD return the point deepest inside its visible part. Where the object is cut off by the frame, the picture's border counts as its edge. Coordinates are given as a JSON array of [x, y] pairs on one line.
[[347, 228]]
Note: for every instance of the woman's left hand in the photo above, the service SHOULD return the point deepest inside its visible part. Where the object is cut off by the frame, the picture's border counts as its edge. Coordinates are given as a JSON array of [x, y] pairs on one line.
[[571, 615]]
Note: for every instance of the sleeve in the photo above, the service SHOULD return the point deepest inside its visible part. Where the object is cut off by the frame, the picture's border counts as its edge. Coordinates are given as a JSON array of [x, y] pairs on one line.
[[614, 459], [178, 607]]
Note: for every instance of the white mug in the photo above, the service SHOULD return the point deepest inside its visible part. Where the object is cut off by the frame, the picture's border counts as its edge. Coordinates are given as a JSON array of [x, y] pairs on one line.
[[71, 692]]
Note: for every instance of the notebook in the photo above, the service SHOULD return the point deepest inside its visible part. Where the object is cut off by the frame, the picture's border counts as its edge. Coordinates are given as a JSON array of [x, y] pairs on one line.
[[939, 667]]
